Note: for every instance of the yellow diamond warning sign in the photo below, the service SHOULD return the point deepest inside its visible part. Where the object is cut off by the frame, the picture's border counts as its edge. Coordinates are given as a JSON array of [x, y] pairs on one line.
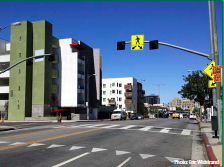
[[137, 42], [211, 84], [208, 69]]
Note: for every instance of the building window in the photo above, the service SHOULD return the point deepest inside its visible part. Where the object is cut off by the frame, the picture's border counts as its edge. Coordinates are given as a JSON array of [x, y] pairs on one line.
[[120, 84], [19, 71], [19, 88], [120, 99], [113, 84], [20, 38], [11, 94], [104, 85], [120, 91], [104, 92], [19, 54], [113, 91], [18, 107], [104, 99], [120, 106]]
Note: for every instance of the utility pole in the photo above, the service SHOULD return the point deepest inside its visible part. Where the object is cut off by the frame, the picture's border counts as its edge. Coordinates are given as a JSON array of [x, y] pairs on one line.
[[215, 56]]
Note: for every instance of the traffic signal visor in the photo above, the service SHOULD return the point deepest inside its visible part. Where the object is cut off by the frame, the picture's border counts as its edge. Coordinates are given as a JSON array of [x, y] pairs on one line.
[[121, 45]]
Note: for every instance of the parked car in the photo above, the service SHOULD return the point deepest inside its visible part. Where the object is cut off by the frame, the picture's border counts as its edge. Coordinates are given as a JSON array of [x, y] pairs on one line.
[[192, 116], [134, 117], [140, 117], [119, 114]]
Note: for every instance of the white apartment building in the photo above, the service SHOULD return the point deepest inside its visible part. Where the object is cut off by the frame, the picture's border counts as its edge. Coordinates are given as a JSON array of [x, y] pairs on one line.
[[121, 92]]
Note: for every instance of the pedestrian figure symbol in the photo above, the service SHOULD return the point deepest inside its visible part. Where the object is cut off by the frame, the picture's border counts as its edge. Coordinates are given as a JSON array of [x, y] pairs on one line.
[[137, 42]]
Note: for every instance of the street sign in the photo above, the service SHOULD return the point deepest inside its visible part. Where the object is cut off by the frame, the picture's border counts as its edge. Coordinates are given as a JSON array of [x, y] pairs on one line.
[[37, 53], [211, 84], [217, 73], [137, 42], [208, 69]]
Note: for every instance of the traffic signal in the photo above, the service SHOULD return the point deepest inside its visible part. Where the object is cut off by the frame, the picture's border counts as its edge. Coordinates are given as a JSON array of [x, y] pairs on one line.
[[154, 44], [121, 45], [51, 57]]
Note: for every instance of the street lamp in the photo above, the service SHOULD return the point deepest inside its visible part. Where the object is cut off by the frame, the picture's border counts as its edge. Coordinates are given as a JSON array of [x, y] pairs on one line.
[[13, 24], [87, 115]]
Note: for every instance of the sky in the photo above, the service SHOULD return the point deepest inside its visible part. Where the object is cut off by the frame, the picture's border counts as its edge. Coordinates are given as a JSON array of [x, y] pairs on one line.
[[101, 24]]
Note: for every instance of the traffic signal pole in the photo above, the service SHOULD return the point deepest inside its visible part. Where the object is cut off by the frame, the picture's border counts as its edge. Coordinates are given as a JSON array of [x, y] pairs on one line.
[[215, 57]]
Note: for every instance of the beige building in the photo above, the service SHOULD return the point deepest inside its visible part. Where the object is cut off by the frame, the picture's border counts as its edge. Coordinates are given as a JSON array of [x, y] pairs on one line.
[[184, 104]]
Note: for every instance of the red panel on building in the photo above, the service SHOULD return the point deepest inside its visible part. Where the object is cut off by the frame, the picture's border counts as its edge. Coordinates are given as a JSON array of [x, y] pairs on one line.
[[61, 110], [77, 46]]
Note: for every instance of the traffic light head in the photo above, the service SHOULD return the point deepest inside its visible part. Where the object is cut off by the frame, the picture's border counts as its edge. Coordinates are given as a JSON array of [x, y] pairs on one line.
[[154, 44], [51, 57], [121, 45]]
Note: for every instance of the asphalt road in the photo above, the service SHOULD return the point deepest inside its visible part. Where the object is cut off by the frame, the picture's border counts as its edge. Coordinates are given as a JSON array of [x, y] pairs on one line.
[[130, 143]]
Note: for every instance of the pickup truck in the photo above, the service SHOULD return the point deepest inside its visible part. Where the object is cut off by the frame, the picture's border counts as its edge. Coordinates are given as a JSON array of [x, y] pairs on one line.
[[176, 115]]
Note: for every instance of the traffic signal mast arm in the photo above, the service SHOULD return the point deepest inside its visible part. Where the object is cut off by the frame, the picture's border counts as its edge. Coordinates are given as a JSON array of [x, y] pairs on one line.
[[39, 56], [178, 47]]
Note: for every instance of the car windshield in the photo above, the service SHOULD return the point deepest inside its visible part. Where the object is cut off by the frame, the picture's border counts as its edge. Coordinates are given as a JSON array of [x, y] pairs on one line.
[[116, 112]]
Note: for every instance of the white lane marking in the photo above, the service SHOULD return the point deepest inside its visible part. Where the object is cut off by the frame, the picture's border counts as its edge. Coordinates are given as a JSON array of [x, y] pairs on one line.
[[171, 159], [124, 162], [146, 128], [97, 125], [70, 160], [60, 126], [128, 127], [97, 149], [84, 125], [36, 144], [75, 147], [4, 142], [55, 145], [25, 124], [111, 126], [165, 130], [186, 132], [16, 143], [121, 152], [144, 156]]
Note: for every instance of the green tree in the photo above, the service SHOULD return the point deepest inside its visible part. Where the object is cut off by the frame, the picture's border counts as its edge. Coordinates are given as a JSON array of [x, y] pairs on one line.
[[179, 109], [196, 87]]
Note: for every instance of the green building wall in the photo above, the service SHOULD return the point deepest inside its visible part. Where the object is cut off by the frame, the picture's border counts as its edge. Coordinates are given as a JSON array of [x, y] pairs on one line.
[[20, 81]]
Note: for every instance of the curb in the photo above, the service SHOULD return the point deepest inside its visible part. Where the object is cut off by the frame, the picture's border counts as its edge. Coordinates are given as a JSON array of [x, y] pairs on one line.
[[210, 152]]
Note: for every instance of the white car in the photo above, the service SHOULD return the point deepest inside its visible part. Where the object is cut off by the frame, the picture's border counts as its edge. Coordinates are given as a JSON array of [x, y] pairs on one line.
[[119, 114], [192, 116]]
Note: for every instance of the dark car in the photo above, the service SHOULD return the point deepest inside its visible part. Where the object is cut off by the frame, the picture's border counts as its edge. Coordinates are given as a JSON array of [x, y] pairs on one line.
[[134, 117], [140, 117]]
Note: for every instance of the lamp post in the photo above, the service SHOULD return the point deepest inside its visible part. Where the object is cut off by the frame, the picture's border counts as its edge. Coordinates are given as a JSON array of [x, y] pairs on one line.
[[13, 24], [87, 115]]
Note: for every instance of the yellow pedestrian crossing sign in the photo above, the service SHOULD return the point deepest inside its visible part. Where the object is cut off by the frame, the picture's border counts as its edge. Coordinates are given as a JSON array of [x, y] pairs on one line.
[[208, 69], [137, 42], [211, 84]]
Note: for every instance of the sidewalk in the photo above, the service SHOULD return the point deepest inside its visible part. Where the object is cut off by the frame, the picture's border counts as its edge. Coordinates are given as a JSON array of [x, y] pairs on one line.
[[213, 147]]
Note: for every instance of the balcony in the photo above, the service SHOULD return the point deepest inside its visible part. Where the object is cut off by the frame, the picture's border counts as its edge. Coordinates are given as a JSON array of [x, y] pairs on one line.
[[5, 75], [4, 58], [128, 94], [129, 87], [112, 102], [128, 101], [4, 89]]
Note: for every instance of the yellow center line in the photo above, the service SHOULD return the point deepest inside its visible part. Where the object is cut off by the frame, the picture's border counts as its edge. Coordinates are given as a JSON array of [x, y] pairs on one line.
[[31, 133], [52, 138]]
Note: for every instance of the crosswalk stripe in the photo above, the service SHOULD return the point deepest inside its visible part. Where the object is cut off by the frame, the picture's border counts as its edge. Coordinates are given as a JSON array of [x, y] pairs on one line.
[[146, 128], [165, 130], [128, 127], [97, 125], [16, 143], [186, 132], [36, 144], [84, 125], [111, 126]]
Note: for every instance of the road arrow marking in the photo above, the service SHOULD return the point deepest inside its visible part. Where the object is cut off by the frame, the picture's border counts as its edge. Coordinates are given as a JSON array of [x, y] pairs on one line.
[[97, 149], [171, 159], [121, 152], [16, 143], [55, 145], [144, 156], [36, 144], [75, 147]]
